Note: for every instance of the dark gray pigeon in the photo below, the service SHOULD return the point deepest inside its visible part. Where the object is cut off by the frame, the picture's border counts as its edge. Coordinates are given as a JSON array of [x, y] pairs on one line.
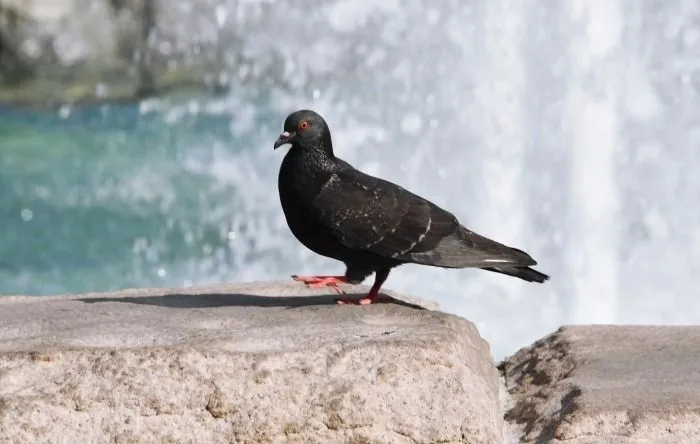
[[370, 224]]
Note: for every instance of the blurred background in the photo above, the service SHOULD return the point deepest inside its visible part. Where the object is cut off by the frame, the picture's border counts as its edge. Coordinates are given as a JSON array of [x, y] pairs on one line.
[[136, 144]]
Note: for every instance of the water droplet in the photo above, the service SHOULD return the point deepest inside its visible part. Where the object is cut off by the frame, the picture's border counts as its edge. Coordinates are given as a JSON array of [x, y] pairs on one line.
[[221, 15], [161, 272], [26, 214], [42, 192], [316, 94], [432, 17], [411, 123], [207, 249], [32, 48], [165, 48], [101, 90], [140, 244], [64, 111], [231, 235]]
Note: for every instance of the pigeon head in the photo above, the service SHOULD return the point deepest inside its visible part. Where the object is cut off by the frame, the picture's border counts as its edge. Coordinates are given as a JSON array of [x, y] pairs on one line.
[[305, 129]]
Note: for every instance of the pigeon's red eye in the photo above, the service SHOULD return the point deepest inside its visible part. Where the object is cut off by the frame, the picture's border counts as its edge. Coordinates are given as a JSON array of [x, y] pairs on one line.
[[304, 125]]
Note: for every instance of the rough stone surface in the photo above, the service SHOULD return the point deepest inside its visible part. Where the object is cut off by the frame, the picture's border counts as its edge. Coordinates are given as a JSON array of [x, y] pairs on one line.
[[607, 384], [253, 363]]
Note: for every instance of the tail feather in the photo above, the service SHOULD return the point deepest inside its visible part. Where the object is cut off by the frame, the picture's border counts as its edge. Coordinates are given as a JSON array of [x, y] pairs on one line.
[[524, 273], [465, 248]]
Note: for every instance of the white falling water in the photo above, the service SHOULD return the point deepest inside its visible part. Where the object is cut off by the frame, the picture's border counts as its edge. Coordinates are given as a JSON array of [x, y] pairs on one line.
[[500, 81], [594, 141]]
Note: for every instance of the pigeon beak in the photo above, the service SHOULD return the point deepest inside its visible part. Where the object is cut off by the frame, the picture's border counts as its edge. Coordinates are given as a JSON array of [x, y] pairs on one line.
[[284, 138]]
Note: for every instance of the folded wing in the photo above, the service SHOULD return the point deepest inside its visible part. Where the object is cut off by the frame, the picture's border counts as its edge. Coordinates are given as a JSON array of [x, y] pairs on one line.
[[377, 216]]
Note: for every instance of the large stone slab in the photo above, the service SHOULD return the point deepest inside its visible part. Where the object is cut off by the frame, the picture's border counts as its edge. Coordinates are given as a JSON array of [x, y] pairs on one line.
[[608, 384], [250, 363]]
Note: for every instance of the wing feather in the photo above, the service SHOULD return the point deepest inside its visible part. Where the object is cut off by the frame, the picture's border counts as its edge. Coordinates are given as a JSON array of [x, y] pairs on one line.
[[377, 216], [374, 215]]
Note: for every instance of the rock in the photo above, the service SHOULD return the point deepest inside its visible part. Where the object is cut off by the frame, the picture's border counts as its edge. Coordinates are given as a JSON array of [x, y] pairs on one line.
[[277, 362], [607, 384], [250, 363]]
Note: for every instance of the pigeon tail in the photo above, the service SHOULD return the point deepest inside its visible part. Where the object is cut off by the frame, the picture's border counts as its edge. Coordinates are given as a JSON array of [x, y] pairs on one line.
[[524, 273], [467, 249]]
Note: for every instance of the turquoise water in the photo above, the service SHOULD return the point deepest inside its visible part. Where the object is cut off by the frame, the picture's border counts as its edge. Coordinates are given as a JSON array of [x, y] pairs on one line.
[[108, 197]]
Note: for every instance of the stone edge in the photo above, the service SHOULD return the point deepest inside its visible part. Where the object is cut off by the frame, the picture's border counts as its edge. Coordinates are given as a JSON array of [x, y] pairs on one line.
[[537, 400], [277, 288]]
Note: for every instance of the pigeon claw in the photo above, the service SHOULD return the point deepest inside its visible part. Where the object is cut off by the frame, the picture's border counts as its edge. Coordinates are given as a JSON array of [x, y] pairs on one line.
[[346, 301], [369, 299], [323, 281]]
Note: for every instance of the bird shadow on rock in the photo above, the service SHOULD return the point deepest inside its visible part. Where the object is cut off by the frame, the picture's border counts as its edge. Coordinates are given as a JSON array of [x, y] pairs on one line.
[[239, 300]]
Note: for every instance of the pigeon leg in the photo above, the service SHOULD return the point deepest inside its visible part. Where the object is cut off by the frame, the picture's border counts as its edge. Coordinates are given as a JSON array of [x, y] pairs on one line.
[[323, 281], [379, 279]]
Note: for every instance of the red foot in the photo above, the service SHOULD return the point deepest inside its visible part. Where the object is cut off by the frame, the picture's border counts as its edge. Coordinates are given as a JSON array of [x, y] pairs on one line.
[[323, 281], [373, 294]]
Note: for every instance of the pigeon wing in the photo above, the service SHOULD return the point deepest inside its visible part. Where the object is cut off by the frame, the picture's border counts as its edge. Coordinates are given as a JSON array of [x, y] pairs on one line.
[[370, 214], [365, 214]]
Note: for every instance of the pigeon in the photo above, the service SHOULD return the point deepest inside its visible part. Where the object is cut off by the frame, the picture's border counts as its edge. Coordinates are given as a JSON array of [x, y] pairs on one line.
[[370, 224]]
